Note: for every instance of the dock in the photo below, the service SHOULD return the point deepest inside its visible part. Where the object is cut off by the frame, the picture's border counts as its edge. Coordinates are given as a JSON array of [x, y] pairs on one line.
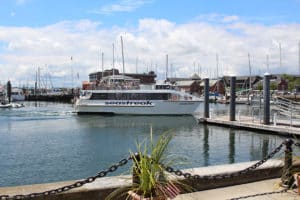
[[281, 127]]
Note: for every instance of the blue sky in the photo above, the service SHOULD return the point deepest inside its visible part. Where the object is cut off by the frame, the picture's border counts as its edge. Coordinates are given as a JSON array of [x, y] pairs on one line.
[[46, 33], [36, 13]]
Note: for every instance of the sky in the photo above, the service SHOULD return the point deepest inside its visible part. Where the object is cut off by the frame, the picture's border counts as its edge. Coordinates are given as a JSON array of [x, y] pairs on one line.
[[209, 37]]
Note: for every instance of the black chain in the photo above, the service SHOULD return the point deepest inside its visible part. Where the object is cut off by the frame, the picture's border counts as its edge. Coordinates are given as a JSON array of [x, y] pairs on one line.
[[220, 177], [77, 184], [260, 194]]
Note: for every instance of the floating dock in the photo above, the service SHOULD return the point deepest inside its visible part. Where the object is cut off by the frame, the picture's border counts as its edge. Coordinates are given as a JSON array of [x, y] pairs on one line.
[[281, 127]]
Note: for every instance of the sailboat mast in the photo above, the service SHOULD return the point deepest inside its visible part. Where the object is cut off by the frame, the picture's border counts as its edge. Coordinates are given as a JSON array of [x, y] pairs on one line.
[[217, 59], [113, 47], [299, 57], [136, 65], [250, 87], [102, 64], [268, 63], [280, 59], [167, 66], [123, 57]]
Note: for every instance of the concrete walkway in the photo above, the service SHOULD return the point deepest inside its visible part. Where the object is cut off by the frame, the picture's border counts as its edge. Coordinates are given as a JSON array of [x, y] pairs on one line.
[[236, 191]]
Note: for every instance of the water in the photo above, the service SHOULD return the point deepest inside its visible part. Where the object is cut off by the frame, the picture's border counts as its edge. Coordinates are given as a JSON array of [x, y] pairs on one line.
[[47, 142]]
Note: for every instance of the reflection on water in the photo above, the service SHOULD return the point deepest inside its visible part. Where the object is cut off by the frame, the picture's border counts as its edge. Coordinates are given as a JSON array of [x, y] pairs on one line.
[[49, 139], [231, 146]]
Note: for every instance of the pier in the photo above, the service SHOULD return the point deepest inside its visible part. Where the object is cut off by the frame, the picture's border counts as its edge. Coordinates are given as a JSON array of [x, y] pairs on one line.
[[266, 119]]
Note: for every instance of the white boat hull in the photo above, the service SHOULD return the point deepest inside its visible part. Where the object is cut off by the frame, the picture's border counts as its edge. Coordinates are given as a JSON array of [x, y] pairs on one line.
[[147, 107]]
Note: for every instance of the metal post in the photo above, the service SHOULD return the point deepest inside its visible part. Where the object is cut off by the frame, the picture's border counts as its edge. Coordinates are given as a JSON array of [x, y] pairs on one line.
[[266, 99], [232, 98], [287, 178], [206, 97]]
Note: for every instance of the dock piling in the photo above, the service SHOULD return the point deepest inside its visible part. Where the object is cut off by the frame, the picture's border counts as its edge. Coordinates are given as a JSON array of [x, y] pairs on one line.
[[206, 97], [232, 98], [266, 88]]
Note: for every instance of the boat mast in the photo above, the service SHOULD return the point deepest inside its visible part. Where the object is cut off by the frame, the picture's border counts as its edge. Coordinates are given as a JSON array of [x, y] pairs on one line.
[[102, 64], [136, 65], [267, 63], [167, 66], [299, 58], [250, 86], [123, 58], [280, 59], [113, 47], [217, 59]]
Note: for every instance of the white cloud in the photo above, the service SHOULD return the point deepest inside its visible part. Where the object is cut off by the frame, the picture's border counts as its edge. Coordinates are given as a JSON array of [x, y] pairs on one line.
[[121, 6], [21, 2], [23, 49], [231, 18]]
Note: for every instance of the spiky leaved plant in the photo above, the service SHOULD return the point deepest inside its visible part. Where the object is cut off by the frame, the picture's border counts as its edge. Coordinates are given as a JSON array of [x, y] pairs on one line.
[[147, 165]]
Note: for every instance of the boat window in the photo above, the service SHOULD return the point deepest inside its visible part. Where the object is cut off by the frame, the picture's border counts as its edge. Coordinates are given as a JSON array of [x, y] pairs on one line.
[[99, 96], [130, 96]]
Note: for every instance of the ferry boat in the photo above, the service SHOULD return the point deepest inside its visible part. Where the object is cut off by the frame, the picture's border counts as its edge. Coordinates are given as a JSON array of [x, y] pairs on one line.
[[157, 100]]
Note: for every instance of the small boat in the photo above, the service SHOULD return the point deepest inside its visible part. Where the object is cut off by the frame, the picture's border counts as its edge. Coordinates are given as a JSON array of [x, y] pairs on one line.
[[17, 94], [5, 105]]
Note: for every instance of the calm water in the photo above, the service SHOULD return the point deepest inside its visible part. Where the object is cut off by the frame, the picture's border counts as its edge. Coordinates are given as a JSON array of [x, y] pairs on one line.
[[46, 142]]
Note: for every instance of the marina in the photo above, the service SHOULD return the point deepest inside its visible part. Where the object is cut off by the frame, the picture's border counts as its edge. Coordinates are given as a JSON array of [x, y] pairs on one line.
[[130, 99], [79, 146]]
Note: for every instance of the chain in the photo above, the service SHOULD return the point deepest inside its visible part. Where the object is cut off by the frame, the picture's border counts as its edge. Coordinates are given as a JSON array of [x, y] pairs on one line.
[[219, 177], [260, 194], [77, 184], [297, 144]]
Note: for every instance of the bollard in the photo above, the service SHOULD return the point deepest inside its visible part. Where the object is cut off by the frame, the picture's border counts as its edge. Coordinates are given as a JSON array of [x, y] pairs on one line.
[[206, 97], [287, 176]]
